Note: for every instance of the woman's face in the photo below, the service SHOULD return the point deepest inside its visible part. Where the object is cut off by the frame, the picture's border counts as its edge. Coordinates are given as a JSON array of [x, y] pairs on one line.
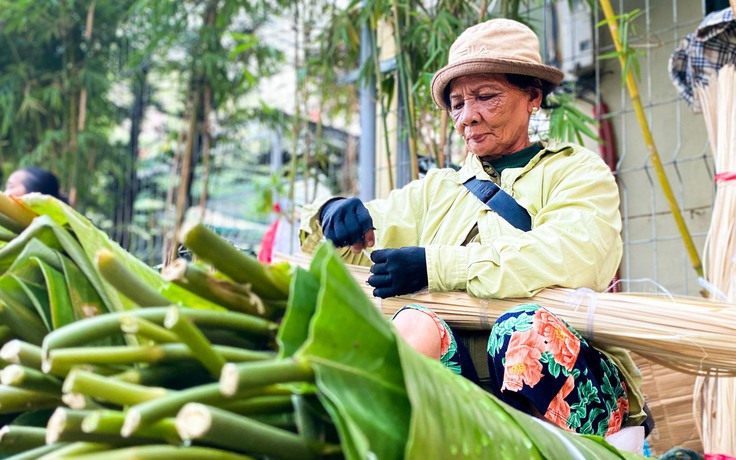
[[491, 114], [14, 186]]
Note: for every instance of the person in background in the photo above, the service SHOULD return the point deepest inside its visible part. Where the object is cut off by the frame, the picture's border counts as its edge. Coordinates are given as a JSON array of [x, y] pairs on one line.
[[32, 179], [519, 216]]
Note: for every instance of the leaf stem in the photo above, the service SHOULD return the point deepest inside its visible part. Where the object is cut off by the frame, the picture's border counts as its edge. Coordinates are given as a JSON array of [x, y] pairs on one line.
[[109, 389], [27, 378], [195, 340], [126, 282], [240, 434], [240, 267], [239, 377]]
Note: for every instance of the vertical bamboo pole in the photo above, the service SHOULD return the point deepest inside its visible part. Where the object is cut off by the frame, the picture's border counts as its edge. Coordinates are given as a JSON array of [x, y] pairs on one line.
[[649, 140]]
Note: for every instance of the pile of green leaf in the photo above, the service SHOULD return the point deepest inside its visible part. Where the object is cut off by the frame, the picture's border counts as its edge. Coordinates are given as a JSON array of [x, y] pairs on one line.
[[160, 369]]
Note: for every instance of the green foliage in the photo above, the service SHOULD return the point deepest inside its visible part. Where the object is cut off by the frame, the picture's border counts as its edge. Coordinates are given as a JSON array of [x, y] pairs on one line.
[[423, 34], [628, 54], [48, 66], [567, 121]]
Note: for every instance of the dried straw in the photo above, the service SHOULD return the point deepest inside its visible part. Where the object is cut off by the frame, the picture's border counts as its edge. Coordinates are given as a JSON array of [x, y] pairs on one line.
[[715, 399], [687, 334]]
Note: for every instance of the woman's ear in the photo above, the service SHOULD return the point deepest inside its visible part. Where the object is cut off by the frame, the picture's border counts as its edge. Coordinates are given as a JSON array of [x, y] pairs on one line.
[[535, 97]]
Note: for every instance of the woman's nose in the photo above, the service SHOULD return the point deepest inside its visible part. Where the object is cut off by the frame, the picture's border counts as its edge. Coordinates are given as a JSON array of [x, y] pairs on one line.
[[469, 114]]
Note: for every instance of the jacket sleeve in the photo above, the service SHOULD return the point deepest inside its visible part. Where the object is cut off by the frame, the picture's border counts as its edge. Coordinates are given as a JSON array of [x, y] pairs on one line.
[[574, 242]]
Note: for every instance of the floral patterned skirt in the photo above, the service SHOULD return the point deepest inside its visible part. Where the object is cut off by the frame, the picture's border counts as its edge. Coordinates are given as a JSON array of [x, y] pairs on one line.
[[540, 365]]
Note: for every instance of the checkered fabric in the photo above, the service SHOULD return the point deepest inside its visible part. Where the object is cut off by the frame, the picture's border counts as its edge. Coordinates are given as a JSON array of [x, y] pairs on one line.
[[703, 53]]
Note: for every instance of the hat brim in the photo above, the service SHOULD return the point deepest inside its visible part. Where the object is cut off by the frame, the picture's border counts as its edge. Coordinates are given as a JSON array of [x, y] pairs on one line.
[[488, 65]]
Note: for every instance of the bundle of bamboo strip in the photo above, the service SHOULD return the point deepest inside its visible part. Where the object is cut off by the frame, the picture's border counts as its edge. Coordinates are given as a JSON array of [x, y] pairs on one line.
[[687, 334], [715, 398]]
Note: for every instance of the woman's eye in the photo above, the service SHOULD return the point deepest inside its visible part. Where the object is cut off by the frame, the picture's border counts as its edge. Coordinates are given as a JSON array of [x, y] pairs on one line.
[[485, 97], [457, 106]]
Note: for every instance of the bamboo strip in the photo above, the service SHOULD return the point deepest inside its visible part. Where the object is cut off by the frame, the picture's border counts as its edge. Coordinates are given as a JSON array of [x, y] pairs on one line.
[[687, 334], [715, 399]]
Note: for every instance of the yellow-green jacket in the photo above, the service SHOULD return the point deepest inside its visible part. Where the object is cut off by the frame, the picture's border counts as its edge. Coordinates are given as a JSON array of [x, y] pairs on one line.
[[575, 240]]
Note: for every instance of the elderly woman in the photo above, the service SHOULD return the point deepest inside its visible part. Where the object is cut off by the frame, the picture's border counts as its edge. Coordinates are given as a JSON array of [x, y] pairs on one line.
[[516, 218]]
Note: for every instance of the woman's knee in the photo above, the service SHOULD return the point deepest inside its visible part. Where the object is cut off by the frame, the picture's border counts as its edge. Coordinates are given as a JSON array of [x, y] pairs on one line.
[[422, 329]]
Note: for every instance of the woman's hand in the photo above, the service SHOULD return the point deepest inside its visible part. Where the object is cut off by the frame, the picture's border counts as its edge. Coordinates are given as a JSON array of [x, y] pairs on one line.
[[347, 222], [398, 271]]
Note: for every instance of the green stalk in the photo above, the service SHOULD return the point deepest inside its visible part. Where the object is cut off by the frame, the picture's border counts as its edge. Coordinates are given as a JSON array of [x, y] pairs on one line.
[[111, 422], [42, 452], [65, 425], [181, 374], [307, 423], [238, 377], [20, 352], [164, 453], [68, 357], [144, 328], [149, 412], [98, 327], [79, 401], [283, 420], [240, 267], [109, 389], [260, 405], [126, 282], [63, 420], [27, 378], [20, 400], [193, 337], [18, 438], [63, 450], [236, 297], [226, 430]]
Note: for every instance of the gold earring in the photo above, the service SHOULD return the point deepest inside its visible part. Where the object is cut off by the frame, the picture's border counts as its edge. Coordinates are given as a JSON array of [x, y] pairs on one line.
[[535, 110]]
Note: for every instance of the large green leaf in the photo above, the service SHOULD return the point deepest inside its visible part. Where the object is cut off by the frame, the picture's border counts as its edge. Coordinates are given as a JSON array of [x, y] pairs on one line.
[[19, 313], [89, 239], [353, 352], [295, 324]]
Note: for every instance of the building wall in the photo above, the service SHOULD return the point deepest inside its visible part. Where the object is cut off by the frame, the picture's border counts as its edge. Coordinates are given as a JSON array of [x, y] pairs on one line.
[[654, 249]]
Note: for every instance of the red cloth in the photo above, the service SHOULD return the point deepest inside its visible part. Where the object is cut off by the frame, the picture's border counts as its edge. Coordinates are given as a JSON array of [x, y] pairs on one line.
[[266, 251]]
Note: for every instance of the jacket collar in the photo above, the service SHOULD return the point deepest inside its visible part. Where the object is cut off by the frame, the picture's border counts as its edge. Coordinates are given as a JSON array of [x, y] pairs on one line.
[[473, 167]]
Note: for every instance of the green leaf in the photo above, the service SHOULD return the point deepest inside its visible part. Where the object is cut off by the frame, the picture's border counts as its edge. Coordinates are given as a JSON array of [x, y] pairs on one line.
[[294, 329], [353, 351], [87, 239]]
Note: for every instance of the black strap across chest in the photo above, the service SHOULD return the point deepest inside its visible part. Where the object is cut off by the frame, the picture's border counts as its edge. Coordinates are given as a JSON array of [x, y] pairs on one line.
[[501, 202]]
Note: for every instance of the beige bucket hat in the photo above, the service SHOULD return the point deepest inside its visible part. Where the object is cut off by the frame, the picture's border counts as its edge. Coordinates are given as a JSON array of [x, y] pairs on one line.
[[494, 46]]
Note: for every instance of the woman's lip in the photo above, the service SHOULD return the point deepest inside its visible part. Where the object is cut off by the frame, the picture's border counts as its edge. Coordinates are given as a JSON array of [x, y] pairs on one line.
[[477, 137]]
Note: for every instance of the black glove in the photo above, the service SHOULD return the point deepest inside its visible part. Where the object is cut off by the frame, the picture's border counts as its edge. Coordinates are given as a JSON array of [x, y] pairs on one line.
[[398, 271], [345, 221]]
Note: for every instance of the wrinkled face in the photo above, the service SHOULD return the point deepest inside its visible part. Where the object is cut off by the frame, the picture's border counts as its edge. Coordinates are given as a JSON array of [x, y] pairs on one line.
[[14, 186], [491, 114]]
